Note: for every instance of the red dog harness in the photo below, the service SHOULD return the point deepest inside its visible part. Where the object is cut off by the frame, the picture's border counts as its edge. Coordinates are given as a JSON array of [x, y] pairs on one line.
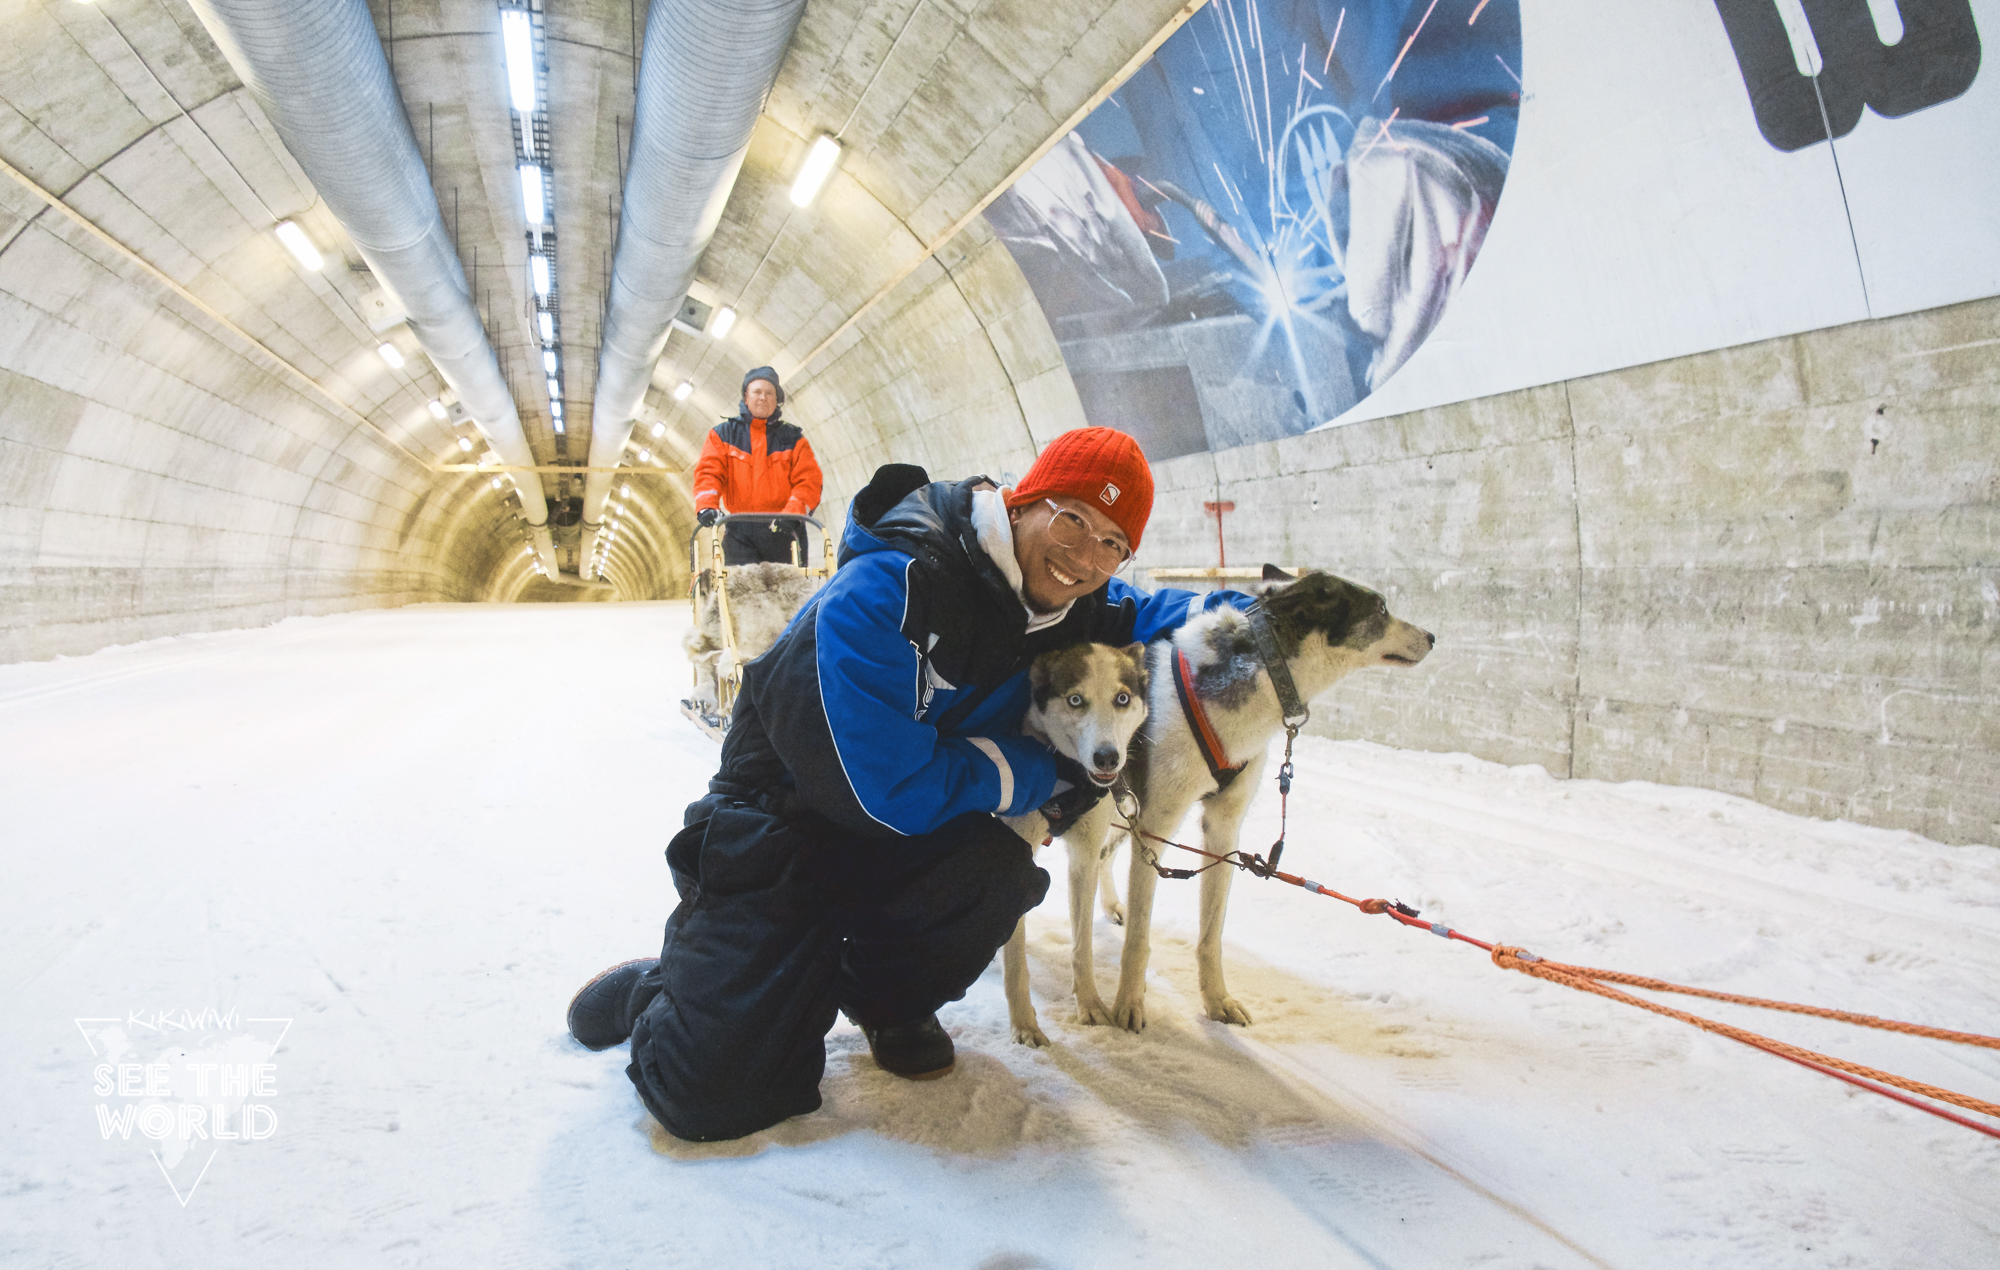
[[1205, 739]]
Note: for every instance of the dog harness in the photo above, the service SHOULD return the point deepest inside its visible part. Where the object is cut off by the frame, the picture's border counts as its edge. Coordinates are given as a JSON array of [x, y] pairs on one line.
[[1290, 707], [1205, 739]]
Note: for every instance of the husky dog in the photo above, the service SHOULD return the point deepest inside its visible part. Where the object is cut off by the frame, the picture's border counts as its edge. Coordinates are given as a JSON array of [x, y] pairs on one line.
[[1325, 628], [1087, 703], [762, 599]]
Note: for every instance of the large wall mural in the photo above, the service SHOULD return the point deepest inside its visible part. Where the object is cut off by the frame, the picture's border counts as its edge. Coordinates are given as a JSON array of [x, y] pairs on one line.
[[1274, 224], [1261, 225]]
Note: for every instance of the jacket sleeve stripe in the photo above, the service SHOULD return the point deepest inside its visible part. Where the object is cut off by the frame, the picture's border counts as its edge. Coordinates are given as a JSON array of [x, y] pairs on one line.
[[992, 751], [819, 617]]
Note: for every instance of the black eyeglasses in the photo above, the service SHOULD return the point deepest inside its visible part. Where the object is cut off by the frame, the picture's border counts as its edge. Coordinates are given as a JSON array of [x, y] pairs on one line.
[[1072, 532]]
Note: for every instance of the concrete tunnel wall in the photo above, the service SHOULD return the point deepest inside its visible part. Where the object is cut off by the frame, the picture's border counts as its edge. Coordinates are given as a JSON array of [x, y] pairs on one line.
[[1768, 570]]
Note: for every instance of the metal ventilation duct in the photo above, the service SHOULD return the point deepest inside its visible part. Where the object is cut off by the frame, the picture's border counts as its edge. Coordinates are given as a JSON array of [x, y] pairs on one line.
[[707, 67], [318, 71]]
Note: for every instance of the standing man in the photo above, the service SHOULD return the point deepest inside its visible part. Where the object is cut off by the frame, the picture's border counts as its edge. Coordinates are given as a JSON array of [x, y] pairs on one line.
[[848, 856], [754, 463]]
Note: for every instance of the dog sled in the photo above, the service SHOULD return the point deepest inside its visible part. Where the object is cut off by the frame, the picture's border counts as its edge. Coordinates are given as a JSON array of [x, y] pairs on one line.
[[740, 610]]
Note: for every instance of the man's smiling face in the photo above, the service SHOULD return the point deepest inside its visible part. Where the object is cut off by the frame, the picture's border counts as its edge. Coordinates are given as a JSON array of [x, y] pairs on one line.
[[1051, 574]]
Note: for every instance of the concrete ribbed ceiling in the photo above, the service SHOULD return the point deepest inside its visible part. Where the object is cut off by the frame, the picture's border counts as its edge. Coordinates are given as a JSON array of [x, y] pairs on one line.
[[240, 491]]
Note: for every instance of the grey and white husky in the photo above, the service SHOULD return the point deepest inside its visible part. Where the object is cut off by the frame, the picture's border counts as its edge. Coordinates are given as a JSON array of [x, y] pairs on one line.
[[1325, 628], [1087, 702]]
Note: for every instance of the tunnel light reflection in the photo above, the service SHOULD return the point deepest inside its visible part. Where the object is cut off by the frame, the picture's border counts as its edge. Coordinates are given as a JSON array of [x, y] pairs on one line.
[[392, 355]]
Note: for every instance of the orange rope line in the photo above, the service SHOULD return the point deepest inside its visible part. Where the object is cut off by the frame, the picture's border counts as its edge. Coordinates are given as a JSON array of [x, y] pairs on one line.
[[1585, 979], [1860, 1020], [1508, 959]]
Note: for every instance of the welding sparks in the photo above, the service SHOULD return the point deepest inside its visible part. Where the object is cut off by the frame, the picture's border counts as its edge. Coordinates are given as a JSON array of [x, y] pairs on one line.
[[1397, 64], [1334, 42], [1373, 141], [1477, 9], [1510, 71], [1463, 124]]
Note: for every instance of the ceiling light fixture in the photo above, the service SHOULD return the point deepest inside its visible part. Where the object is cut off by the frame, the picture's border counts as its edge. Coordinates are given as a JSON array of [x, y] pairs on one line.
[[659, 430], [813, 173], [519, 42], [465, 443], [534, 199], [625, 491], [300, 246], [496, 482], [437, 410], [392, 355], [549, 361], [645, 456], [724, 320], [684, 390], [555, 406], [548, 322], [538, 272]]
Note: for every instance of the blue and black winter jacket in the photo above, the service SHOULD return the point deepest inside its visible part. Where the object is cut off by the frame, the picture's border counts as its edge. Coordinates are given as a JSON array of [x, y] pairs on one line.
[[893, 702]]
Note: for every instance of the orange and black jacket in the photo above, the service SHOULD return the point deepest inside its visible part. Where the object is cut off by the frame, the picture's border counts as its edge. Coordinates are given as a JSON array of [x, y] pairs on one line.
[[750, 465]]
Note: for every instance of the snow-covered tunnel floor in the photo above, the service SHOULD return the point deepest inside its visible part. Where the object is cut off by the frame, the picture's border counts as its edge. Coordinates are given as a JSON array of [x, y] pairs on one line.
[[414, 833]]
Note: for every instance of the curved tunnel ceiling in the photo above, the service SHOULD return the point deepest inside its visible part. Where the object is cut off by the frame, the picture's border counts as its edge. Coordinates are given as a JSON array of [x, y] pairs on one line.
[[201, 432]]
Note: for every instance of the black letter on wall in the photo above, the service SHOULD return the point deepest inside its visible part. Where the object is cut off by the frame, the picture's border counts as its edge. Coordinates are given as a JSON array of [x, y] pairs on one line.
[[1935, 61]]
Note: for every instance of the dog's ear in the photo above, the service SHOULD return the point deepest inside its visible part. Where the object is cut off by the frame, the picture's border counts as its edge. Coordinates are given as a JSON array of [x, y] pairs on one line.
[[1132, 671], [1272, 573], [1038, 675]]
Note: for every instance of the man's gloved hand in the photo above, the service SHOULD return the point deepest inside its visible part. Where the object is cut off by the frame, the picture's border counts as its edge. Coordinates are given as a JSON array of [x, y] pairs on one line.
[[708, 516], [1075, 794]]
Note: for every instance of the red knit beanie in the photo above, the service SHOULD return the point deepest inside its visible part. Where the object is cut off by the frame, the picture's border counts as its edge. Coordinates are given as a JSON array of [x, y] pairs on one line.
[[1102, 466]]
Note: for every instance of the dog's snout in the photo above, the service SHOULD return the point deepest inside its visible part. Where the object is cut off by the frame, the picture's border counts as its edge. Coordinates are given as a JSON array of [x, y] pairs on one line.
[[1105, 756]]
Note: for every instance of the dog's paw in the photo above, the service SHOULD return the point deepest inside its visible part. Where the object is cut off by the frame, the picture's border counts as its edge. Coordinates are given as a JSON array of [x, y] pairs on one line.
[[1116, 912], [1093, 1013], [1227, 1010], [1130, 1015], [1032, 1035]]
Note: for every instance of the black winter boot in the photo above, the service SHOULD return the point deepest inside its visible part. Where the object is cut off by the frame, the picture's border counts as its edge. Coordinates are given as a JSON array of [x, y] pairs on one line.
[[918, 1050], [602, 1012]]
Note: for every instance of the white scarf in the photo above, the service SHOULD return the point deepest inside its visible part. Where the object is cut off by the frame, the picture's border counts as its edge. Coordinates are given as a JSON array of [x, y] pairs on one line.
[[996, 538]]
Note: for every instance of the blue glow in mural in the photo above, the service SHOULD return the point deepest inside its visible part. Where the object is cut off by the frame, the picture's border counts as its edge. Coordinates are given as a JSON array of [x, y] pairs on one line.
[[1261, 225]]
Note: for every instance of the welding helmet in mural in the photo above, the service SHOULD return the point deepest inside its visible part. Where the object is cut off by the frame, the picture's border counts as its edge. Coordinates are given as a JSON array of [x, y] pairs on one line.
[[1264, 223]]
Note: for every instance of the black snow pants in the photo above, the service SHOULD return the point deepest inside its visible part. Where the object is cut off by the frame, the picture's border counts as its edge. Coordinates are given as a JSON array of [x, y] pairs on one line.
[[785, 919], [771, 541]]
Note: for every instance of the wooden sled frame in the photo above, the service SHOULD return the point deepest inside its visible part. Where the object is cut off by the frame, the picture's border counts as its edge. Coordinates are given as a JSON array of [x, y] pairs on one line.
[[729, 683]]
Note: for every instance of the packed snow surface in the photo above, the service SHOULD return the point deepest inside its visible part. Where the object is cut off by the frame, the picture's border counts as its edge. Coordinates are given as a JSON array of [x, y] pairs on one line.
[[413, 834]]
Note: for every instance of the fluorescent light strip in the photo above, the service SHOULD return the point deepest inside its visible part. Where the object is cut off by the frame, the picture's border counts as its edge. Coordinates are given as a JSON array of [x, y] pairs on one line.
[[518, 38], [534, 194], [300, 246], [813, 173]]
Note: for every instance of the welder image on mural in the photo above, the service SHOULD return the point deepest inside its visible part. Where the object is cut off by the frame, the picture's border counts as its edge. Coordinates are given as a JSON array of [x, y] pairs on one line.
[[1262, 224]]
